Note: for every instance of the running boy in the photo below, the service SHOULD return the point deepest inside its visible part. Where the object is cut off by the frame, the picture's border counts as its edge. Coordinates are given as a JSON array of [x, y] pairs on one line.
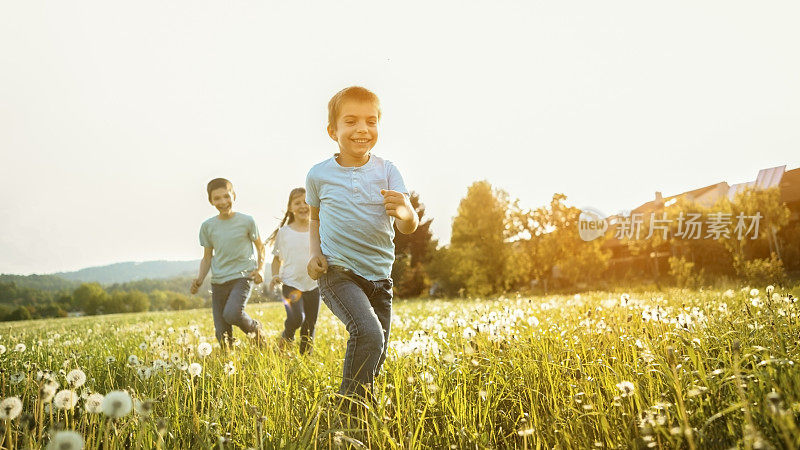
[[228, 240], [355, 199]]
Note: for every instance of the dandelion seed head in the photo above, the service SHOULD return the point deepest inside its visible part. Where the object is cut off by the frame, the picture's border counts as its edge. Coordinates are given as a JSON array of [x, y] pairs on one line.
[[143, 407], [528, 431], [93, 403], [10, 408], [229, 368], [65, 399], [66, 440], [204, 349], [76, 378], [117, 404], [195, 369], [17, 377], [626, 388]]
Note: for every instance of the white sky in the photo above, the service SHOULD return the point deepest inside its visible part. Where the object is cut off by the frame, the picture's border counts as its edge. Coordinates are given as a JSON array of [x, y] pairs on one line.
[[114, 115]]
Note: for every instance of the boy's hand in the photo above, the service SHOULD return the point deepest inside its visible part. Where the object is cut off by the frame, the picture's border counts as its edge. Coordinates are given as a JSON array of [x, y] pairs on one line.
[[195, 286], [317, 265], [397, 205], [256, 276]]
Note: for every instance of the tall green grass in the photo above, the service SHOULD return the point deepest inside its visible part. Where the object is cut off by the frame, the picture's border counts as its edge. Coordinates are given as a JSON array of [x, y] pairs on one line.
[[681, 368]]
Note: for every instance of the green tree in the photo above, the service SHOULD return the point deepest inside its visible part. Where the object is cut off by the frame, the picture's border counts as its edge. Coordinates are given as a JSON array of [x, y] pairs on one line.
[[478, 252], [549, 248], [412, 252], [138, 301], [20, 313], [91, 298]]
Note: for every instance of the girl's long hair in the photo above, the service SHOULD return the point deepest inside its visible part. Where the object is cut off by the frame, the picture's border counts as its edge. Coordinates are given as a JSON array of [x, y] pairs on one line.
[[288, 217]]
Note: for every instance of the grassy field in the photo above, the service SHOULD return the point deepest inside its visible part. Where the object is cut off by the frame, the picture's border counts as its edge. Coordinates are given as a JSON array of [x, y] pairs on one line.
[[690, 369]]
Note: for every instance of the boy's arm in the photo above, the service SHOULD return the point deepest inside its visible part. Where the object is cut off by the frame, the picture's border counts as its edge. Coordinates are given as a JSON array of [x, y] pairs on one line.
[[205, 265], [262, 253], [399, 206], [317, 265]]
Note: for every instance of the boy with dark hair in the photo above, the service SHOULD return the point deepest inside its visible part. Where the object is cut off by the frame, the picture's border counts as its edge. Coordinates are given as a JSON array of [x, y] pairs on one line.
[[228, 240]]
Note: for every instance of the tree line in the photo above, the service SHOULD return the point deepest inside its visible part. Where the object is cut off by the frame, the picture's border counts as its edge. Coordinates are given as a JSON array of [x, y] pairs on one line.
[[23, 303], [497, 246]]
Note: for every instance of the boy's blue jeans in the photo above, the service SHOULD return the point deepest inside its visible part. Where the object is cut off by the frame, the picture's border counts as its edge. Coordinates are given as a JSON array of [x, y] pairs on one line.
[[301, 312], [365, 307], [227, 306]]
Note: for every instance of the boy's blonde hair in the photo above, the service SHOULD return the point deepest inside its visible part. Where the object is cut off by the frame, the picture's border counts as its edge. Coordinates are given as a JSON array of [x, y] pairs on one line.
[[356, 93]]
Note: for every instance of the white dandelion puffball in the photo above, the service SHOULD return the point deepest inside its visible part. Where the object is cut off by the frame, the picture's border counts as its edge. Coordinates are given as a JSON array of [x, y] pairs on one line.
[[2, 349], [76, 378], [17, 377], [626, 388], [229, 368], [117, 404], [66, 440], [195, 369], [133, 360], [47, 391], [94, 403], [66, 399], [753, 292], [143, 408], [19, 348], [204, 349], [10, 408]]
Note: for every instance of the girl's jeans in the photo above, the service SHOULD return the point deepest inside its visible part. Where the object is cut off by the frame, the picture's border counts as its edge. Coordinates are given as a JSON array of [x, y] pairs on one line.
[[227, 305], [365, 307], [301, 312]]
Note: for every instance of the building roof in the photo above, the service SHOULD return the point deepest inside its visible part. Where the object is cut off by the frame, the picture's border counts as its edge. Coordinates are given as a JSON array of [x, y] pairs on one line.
[[657, 205], [766, 178], [790, 186]]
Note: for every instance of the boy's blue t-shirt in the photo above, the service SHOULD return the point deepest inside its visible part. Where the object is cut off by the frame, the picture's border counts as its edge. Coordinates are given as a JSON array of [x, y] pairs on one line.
[[232, 241], [355, 230]]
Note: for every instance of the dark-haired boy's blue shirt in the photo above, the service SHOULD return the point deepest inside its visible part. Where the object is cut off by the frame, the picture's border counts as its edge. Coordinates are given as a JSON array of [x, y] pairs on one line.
[[232, 241]]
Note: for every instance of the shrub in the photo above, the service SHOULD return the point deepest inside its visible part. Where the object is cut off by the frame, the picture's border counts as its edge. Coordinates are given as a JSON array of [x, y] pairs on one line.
[[684, 273], [761, 271]]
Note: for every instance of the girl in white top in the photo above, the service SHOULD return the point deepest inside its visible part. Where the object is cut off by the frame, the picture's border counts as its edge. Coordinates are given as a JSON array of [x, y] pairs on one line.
[[290, 245]]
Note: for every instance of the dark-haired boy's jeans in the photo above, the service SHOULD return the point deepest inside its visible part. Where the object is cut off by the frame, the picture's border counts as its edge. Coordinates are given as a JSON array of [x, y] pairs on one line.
[[227, 306], [365, 307]]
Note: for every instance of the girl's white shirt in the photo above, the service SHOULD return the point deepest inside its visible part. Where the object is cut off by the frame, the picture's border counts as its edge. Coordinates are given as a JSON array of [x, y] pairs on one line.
[[293, 249]]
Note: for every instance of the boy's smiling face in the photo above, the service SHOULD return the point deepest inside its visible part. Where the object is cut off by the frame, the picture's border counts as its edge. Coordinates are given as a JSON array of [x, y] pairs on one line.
[[356, 130], [222, 199]]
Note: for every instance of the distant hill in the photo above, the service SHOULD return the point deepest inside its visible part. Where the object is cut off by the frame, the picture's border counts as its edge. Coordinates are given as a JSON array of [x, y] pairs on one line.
[[144, 276], [132, 271], [40, 282]]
